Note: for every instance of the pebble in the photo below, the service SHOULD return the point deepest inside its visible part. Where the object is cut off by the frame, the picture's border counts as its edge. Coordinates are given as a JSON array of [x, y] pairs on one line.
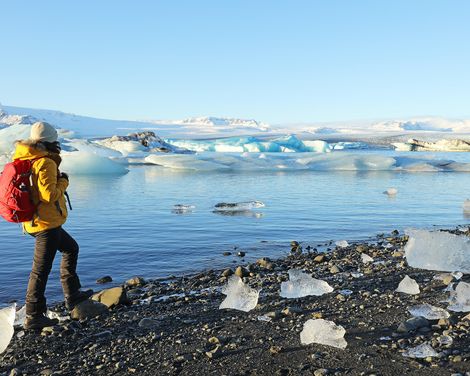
[[105, 279]]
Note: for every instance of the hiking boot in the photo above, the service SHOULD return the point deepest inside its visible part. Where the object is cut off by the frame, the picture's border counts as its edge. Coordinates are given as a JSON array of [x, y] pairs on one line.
[[80, 296], [37, 322]]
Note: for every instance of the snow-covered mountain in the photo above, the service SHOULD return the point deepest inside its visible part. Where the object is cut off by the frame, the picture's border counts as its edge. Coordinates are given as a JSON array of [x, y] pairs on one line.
[[85, 126], [217, 123]]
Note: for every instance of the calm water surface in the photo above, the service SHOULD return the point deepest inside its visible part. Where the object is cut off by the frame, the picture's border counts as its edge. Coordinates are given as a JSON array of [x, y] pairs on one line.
[[125, 225]]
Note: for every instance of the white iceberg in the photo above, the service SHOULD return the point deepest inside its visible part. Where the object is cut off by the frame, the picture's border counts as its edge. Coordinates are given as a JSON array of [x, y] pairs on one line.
[[7, 318], [408, 286], [301, 284], [239, 295], [83, 163], [323, 332], [460, 298], [422, 351], [438, 250], [440, 145], [366, 258], [429, 312]]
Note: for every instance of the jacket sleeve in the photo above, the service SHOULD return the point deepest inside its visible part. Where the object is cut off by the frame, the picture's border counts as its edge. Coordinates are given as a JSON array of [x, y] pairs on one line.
[[50, 188]]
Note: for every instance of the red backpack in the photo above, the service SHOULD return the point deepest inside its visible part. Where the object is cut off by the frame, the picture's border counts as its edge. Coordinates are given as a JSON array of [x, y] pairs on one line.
[[16, 204]]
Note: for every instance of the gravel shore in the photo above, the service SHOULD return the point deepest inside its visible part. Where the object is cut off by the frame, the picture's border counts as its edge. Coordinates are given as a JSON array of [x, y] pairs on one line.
[[175, 327]]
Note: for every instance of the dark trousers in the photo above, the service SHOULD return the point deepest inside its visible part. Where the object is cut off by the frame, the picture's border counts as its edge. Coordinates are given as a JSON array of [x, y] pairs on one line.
[[47, 244]]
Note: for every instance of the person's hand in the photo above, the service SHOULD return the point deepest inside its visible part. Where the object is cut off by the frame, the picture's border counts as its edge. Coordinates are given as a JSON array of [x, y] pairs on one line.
[[64, 175]]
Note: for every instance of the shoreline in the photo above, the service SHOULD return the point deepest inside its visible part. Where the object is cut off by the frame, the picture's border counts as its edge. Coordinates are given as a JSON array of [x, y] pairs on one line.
[[187, 334]]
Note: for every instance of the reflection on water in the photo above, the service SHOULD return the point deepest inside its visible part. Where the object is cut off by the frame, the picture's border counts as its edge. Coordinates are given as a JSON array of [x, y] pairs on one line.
[[239, 213]]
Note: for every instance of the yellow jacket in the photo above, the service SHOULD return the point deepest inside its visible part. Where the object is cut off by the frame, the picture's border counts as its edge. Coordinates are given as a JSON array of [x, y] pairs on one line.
[[47, 187]]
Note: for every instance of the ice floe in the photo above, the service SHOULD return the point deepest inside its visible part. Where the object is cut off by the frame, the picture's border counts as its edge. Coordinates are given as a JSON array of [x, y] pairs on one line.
[[81, 163], [301, 284], [238, 206], [429, 312], [239, 296], [460, 298], [422, 351], [438, 250], [408, 286], [7, 319], [323, 332]]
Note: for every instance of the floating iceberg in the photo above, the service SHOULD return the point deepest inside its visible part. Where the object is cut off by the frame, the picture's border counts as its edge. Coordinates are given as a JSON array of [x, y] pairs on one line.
[[239, 295], [7, 318], [366, 258], [460, 298], [285, 144], [429, 312], [81, 163], [441, 145], [422, 351], [438, 250], [207, 161], [323, 332], [408, 286], [466, 206], [183, 208], [301, 284], [238, 206]]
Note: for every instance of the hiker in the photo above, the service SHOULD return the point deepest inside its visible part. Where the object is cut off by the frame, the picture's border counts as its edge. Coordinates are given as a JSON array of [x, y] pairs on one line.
[[48, 187]]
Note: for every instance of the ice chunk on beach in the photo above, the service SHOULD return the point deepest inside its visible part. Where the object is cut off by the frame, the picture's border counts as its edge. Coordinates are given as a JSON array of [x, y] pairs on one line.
[[408, 286], [238, 206], [81, 163], [438, 250], [422, 351], [301, 284], [323, 332], [429, 312], [239, 295], [366, 258], [7, 318], [391, 192], [460, 298], [342, 243]]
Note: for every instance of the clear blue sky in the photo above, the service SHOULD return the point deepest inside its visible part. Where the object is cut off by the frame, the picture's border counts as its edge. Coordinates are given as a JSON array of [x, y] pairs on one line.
[[276, 61]]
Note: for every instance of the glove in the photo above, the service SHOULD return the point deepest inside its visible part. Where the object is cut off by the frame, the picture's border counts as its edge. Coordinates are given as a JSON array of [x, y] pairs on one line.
[[64, 176]]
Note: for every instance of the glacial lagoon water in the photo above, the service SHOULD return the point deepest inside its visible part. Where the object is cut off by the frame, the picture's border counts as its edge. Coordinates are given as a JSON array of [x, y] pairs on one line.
[[125, 224]]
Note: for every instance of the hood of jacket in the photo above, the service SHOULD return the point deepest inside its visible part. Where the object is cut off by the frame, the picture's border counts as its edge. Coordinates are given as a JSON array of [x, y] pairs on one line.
[[26, 150]]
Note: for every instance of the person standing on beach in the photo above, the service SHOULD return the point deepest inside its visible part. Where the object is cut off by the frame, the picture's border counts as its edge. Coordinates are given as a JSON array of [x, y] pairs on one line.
[[48, 187]]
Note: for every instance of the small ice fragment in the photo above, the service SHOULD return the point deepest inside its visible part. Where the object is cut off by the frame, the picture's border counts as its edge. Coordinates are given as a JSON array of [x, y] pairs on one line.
[[20, 316], [457, 275], [357, 275], [450, 287], [183, 207], [429, 312], [408, 286], [345, 292], [323, 332], [238, 206], [391, 192], [7, 319], [422, 351], [438, 250], [301, 284], [460, 299], [264, 318], [239, 295], [445, 340], [387, 338], [342, 243], [366, 258]]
